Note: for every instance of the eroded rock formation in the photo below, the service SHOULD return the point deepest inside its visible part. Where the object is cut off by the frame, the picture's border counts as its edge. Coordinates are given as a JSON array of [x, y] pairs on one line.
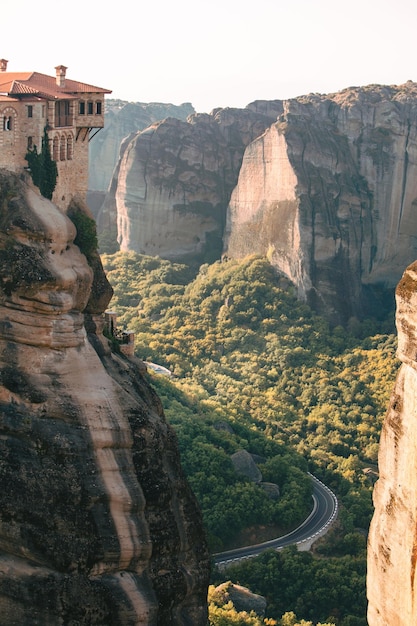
[[97, 522], [241, 597], [121, 120], [173, 181], [329, 192], [392, 545], [324, 185]]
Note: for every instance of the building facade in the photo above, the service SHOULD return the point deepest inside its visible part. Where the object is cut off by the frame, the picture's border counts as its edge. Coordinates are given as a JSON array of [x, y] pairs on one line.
[[71, 112]]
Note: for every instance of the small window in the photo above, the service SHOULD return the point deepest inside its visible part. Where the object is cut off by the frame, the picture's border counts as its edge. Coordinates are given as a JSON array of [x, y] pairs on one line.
[[90, 108], [62, 148], [55, 148], [43, 110], [7, 122], [30, 110], [98, 107], [30, 143], [82, 107], [69, 147]]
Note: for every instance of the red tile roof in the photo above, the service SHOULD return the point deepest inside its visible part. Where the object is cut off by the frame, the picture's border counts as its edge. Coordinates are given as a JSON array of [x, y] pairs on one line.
[[36, 84]]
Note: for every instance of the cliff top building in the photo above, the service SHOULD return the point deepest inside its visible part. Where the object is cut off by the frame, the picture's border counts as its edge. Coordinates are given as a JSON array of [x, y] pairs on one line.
[[71, 112]]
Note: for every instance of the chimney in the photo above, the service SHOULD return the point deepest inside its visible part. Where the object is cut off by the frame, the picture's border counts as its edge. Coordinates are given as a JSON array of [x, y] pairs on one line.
[[3, 65], [60, 75]]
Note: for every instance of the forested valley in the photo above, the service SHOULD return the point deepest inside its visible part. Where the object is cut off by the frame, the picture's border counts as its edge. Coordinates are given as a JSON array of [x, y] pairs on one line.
[[255, 369]]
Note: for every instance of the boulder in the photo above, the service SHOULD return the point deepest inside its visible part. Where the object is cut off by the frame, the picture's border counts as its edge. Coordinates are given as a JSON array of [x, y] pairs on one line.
[[271, 489], [242, 598], [244, 465]]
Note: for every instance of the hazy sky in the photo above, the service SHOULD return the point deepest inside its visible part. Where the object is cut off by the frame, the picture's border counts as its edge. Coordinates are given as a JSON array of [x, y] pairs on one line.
[[214, 54]]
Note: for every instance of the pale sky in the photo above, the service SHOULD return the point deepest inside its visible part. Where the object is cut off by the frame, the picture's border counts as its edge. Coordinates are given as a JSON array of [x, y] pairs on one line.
[[222, 53]]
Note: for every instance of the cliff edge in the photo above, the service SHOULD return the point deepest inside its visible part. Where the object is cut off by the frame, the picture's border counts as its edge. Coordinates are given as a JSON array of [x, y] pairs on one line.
[[392, 546], [323, 185], [329, 192], [97, 522]]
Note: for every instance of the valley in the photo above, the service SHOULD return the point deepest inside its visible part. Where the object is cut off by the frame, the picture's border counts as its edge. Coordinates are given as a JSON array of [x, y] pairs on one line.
[[254, 368]]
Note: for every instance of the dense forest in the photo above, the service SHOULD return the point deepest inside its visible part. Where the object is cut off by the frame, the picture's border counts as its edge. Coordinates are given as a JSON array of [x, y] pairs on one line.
[[255, 369]]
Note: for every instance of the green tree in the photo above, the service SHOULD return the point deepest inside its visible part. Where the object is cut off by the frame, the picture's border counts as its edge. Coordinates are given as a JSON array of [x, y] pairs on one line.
[[257, 369], [86, 237], [43, 168]]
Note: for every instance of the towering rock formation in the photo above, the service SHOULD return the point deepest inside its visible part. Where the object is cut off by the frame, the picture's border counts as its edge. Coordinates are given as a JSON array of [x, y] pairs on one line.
[[392, 545], [121, 120], [329, 192], [324, 185], [97, 522], [173, 181]]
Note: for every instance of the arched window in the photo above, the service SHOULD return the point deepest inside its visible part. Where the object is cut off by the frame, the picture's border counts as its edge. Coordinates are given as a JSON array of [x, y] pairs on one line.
[[70, 146], [55, 148], [8, 120], [62, 148]]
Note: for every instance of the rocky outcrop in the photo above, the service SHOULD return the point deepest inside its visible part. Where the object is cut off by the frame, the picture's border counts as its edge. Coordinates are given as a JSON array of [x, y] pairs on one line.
[[392, 545], [173, 181], [242, 598], [324, 185], [329, 192], [97, 522], [244, 465], [121, 120]]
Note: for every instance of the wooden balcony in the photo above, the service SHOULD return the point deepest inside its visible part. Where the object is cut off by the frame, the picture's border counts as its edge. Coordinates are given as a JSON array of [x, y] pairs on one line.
[[63, 120]]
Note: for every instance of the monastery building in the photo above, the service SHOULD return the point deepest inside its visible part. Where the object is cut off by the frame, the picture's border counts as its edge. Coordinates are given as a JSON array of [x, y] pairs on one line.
[[70, 111]]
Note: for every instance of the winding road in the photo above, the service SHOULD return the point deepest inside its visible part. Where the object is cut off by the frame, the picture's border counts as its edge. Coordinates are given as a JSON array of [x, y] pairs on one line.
[[321, 517]]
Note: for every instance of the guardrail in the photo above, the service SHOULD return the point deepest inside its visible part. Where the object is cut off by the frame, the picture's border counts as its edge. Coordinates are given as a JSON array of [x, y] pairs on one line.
[[221, 558]]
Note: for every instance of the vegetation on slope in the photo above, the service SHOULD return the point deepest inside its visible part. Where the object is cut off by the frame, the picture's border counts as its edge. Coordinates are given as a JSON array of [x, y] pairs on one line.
[[255, 368]]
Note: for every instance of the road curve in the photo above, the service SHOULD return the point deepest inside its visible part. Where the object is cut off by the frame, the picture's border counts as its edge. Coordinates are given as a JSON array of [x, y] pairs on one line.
[[324, 512]]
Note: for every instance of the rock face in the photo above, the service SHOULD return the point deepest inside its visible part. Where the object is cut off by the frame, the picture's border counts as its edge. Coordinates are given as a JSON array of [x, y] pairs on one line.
[[97, 522], [173, 181], [121, 120], [244, 465], [329, 193], [324, 185], [241, 597], [392, 546]]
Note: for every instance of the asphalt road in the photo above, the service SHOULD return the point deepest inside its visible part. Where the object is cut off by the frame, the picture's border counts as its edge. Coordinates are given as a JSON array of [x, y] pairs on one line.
[[322, 515]]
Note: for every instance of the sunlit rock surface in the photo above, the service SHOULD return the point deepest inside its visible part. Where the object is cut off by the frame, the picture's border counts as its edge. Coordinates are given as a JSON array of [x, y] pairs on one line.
[[170, 189], [329, 194], [325, 186], [97, 522], [121, 120], [241, 597], [392, 548]]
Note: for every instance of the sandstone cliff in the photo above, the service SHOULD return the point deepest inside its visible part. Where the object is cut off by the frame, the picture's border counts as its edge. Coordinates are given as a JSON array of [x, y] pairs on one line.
[[123, 119], [173, 181], [392, 545], [324, 185], [329, 192], [97, 522]]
